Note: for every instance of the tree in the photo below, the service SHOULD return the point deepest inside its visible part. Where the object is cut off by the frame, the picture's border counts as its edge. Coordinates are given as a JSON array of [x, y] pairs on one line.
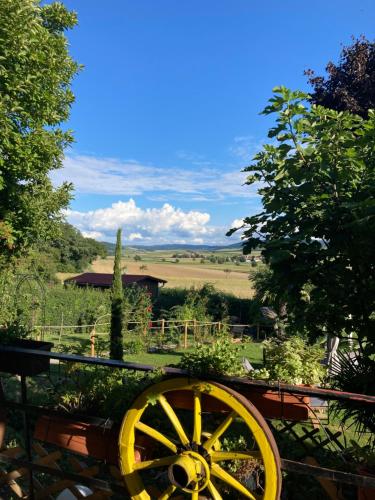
[[227, 271], [35, 98], [116, 347], [350, 85], [316, 228]]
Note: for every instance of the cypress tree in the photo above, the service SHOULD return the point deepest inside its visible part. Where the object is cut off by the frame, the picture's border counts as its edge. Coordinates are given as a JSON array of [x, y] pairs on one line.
[[116, 349]]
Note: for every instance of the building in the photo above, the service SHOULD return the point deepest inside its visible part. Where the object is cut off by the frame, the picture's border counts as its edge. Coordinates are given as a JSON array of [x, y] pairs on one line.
[[102, 280]]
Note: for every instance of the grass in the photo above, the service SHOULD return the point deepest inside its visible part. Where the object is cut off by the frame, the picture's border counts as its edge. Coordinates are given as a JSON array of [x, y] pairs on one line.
[[253, 351]]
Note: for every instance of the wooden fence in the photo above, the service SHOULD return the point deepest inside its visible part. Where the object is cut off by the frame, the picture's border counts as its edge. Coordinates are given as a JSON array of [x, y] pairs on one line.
[[157, 334]]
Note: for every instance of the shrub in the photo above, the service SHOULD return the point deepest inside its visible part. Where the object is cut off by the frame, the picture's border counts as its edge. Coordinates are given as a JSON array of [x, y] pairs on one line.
[[134, 346], [220, 358], [293, 361]]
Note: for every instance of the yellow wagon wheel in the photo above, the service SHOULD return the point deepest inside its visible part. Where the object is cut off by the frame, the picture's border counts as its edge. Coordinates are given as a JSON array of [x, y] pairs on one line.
[[190, 463]]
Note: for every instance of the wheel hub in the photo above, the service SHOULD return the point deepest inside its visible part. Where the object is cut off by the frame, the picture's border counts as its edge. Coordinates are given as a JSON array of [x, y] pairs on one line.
[[190, 472]]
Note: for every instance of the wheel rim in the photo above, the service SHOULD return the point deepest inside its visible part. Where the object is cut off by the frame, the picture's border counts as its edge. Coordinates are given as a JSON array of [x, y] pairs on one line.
[[192, 460]]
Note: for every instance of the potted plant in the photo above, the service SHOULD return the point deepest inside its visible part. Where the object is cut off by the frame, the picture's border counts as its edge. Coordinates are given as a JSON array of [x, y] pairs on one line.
[[292, 361], [104, 392], [15, 335]]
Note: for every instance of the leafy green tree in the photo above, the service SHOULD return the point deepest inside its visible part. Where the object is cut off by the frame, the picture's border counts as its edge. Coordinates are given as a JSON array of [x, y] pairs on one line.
[[316, 228], [116, 348], [350, 84], [36, 71]]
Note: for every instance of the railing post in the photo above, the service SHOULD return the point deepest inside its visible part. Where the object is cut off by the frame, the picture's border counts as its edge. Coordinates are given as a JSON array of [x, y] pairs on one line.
[[92, 343], [26, 428], [186, 335]]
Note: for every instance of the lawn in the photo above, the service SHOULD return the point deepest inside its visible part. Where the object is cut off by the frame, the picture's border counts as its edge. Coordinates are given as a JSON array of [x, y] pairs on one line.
[[253, 351]]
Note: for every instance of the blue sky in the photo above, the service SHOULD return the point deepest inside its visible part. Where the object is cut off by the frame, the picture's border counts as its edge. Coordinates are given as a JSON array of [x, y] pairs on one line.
[[167, 106]]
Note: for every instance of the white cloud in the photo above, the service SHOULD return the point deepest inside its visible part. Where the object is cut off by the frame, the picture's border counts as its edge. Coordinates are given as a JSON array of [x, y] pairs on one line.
[[157, 225], [135, 236], [96, 235], [237, 223], [110, 176]]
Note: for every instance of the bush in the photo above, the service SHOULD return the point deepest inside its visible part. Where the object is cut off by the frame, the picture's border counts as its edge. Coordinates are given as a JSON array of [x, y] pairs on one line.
[[220, 358], [134, 346], [292, 361], [101, 392]]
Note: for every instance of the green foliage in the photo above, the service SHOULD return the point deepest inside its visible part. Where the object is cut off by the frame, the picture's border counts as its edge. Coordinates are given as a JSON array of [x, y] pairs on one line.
[[293, 361], [35, 77], [74, 305], [134, 346], [355, 373], [116, 350], [137, 309], [71, 251], [220, 305], [103, 392], [220, 358], [12, 332], [317, 224]]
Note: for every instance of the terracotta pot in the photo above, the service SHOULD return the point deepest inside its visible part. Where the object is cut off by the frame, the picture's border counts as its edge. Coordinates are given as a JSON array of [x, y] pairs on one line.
[[278, 405], [22, 364], [88, 439], [271, 404]]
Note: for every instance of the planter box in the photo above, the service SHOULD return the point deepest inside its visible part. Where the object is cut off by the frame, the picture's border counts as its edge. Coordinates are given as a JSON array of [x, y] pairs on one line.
[[23, 364], [89, 439], [274, 405], [270, 404]]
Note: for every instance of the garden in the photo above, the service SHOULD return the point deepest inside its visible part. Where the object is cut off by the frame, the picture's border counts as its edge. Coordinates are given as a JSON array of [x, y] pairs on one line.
[[199, 393]]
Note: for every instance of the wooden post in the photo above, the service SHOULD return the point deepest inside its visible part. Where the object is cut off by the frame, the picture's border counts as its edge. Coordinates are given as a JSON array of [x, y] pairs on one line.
[[162, 328], [186, 335], [195, 330], [219, 327], [92, 343]]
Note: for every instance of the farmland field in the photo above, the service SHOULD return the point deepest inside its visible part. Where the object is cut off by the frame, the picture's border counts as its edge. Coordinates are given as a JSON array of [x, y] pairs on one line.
[[228, 277]]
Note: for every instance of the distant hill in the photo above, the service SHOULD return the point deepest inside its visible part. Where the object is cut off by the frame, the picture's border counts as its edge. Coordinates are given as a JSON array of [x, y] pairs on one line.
[[175, 247]]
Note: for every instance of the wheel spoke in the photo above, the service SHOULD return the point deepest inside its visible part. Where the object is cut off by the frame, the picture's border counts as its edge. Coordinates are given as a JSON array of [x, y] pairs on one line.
[[220, 473], [156, 462], [197, 417], [218, 456], [214, 492], [219, 431], [150, 431], [174, 419], [167, 493]]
